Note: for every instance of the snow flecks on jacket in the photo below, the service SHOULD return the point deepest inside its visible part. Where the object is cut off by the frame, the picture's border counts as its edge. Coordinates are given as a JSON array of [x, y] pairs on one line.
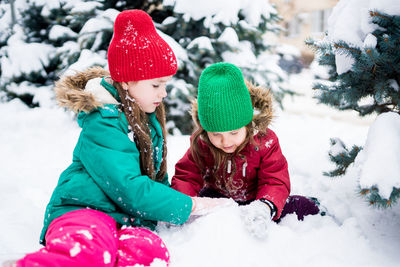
[[111, 110], [156, 154], [269, 143], [131, 136]]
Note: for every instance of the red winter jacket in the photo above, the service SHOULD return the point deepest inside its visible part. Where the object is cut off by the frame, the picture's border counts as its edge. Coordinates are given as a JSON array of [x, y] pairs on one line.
[[261, 173]]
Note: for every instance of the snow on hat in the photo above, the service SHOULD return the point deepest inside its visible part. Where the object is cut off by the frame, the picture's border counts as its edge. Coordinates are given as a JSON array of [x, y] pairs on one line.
[[136, 51], [224, 102]]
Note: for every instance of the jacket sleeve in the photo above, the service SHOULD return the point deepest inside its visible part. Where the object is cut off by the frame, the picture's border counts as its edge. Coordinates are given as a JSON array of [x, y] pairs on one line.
[[112, 160], [273, 175], [187, 178]]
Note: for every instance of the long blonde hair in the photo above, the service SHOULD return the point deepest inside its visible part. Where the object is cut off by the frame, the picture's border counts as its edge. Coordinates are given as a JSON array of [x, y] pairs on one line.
[[138, 122]]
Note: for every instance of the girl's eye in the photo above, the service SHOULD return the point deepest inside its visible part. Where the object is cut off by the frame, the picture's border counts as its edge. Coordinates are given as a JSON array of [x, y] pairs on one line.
[[156, 85], [234, 133]]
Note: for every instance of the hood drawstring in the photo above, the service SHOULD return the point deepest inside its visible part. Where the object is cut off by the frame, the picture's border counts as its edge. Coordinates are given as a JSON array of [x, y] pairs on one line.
[[229, 167], [244, 169]]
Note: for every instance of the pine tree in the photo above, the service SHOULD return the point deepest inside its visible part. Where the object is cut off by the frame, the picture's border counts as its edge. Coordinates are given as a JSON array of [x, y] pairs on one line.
[[68, 31], [341, 156], [48, 35], [371, 86]]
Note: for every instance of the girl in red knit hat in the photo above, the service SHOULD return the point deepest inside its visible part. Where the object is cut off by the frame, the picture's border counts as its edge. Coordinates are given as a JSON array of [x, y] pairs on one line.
[[110, 198], [233, 153]]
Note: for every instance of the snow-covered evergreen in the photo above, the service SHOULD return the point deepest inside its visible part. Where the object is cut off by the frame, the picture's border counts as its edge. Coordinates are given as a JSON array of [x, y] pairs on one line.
[[363, 59], [60, 37]]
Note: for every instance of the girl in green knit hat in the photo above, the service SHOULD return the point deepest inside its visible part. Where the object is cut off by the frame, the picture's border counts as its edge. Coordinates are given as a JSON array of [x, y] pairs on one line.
[[233, 153]]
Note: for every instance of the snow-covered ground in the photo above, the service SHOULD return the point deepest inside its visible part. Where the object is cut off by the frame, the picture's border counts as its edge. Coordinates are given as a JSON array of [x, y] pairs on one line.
[[36, 145]]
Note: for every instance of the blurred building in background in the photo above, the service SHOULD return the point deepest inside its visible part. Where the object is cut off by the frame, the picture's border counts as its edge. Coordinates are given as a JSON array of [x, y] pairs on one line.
[[301, 20]]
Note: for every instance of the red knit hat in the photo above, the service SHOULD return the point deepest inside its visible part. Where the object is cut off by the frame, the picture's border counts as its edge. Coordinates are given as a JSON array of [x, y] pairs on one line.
[[136, 51]]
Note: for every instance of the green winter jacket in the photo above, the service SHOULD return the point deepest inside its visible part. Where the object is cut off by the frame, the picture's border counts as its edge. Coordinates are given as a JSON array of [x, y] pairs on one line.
[[105, 173]]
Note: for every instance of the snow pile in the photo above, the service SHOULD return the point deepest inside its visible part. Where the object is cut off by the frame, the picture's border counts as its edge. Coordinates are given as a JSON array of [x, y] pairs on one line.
[[220, 239], [350, 21], [380, 158]]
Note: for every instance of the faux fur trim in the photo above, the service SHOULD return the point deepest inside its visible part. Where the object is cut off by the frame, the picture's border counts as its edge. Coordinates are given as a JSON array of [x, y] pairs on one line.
[[100, 93], [261, 99], [70, 91]]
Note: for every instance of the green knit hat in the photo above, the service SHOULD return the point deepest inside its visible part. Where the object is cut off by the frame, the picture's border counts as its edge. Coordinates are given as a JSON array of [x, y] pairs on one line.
[[224, 102]]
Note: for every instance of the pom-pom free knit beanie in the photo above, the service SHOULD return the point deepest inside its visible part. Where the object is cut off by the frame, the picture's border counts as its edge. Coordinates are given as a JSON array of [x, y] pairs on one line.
[[224, 102], [136, 51]]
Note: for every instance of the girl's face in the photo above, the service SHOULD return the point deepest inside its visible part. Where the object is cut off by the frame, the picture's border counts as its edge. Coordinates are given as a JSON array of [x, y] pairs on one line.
[[148, 94], [228, 141]]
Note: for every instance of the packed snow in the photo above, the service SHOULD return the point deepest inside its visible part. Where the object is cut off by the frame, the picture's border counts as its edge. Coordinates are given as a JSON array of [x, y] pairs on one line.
[[380, 158], [37, 145]]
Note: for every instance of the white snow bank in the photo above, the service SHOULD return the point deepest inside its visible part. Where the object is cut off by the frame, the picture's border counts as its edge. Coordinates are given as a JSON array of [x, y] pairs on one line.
[[379, 161], [220, 239]]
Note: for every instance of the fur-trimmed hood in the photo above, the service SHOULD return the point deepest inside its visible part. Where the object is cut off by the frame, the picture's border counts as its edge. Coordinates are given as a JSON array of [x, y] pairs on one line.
[[82, 91], [261, 99]]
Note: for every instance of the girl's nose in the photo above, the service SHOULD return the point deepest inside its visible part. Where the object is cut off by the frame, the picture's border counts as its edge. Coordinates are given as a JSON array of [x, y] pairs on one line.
[[224, 141], [163, 92]]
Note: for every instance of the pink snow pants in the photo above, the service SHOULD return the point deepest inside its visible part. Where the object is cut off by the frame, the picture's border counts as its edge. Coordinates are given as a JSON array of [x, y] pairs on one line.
[[91, 238]]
